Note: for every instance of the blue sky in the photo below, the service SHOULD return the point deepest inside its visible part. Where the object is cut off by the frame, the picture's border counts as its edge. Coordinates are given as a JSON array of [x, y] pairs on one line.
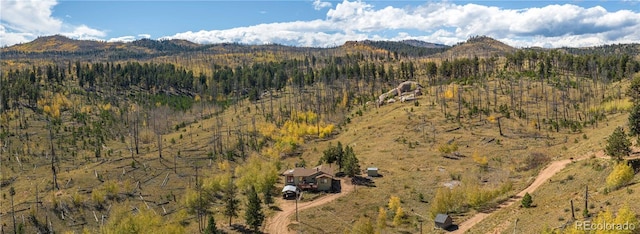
[[325, 23]]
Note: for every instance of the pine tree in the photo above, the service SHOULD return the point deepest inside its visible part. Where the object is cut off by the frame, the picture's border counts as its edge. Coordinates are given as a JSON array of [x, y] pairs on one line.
[[526, 200], [618, 145], [268, 196], [634, 89], [634, 119], [211, 226], [334, 154], [350, 162], [253, 215], [231, 202]]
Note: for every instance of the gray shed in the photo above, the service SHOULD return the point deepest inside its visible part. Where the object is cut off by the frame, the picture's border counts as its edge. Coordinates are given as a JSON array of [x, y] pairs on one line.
[[372, 171], [443, 221]]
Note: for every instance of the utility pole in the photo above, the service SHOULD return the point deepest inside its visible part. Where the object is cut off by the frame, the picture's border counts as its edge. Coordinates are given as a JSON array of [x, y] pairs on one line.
[[573, 215], [297, 198], [586, 201]]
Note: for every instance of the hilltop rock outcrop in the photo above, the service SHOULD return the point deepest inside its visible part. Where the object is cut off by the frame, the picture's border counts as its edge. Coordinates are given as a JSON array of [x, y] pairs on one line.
[[406, 91]]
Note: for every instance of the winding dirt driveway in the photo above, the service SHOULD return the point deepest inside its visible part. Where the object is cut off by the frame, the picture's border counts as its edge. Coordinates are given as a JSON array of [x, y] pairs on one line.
[[278, 224], [542, 177]]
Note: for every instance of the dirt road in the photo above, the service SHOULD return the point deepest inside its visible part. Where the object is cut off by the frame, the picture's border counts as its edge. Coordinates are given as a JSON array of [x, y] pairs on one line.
[[542, 177], [278, 224]]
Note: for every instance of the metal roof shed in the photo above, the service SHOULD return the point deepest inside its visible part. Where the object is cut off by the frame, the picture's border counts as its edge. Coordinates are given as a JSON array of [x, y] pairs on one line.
[[443, 221], [372, 171]]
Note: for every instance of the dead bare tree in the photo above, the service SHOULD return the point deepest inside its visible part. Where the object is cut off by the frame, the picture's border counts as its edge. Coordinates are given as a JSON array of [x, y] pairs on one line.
[[160, 123], [53, 156]]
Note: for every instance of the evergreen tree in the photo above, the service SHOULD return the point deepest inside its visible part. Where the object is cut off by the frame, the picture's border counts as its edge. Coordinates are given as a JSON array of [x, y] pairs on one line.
[[231, 202], [634, 119], [334, 154], [618, 145], [253, 215], [634, 89], [526, 200], [268, 195], [350, 162], [211, 226]]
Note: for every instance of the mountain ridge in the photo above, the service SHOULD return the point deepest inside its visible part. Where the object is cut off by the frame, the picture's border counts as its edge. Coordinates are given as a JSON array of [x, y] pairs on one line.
[[482, 46]]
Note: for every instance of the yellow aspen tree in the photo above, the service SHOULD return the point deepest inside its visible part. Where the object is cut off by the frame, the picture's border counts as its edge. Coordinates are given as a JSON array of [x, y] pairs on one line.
[[621, 175], [397, 219], [394, 203], [626, 218], [362, 226], [381, 222], [604, 217]]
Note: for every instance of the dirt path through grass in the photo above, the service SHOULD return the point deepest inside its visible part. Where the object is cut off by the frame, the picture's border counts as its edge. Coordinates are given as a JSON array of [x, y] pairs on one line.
[[279, 223], [542, 177]]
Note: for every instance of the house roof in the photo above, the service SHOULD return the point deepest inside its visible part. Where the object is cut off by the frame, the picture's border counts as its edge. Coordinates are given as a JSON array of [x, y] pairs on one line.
[[325, 168], [300, 171], [441, 218], [324, 175], [372, 169]]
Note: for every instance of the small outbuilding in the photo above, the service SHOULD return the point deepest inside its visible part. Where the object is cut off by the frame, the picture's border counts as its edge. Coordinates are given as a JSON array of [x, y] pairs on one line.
[[372, 172], [443, 221]]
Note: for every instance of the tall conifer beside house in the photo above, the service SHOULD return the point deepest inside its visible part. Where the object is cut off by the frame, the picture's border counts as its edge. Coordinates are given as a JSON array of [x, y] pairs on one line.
[[254, 215]]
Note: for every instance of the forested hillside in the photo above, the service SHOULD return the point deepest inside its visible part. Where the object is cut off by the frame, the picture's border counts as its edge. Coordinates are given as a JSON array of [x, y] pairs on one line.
[[160, 135]]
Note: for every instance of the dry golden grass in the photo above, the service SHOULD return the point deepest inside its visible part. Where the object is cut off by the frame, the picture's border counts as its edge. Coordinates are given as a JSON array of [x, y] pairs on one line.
[[552, 199], [398, 138]]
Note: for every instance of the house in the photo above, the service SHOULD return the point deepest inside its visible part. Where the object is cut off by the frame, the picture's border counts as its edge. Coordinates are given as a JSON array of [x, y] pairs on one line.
[[319, 178], [372, 172], [443, 221]]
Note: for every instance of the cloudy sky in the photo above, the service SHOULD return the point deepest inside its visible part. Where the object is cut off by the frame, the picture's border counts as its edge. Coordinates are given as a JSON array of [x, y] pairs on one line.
[[325, 23]]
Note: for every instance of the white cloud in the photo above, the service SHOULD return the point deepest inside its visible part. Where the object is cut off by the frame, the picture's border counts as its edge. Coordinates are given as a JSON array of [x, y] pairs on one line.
[[443, 22], [12, 38], [24, 20], [122, 39], [440, 22], [129, 38], [318, 5]]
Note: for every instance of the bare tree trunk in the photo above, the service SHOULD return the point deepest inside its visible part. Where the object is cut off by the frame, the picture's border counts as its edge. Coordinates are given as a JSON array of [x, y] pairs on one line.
[[159, 137], [136, 132], [555, 109], [13, 211], [53, 159], [459, 104]]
